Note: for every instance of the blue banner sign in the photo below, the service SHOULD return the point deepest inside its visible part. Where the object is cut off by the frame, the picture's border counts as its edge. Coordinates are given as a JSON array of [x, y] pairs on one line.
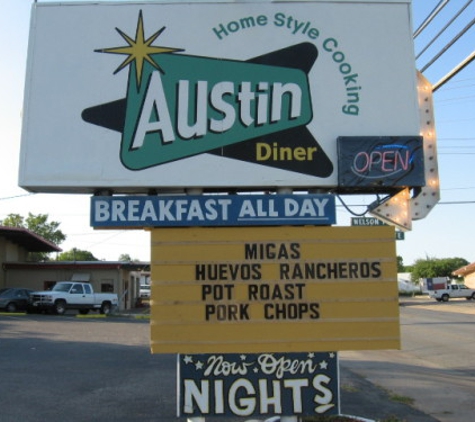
[[266, 384], [212, 210]]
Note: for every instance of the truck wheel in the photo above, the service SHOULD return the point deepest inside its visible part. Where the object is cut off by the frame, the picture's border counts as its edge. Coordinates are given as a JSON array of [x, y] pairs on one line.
[[60, 307], [105, 308], [473, 297], [445, 298]]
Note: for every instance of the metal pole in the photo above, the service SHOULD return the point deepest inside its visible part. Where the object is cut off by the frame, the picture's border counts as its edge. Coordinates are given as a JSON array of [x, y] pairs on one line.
[[450, 44], [432, 15], [443, 29], [454, 71]]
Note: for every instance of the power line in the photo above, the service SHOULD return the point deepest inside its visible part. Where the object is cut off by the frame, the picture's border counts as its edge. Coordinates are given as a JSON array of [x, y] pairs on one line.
[[455, 202], [455, 99], [456, 139], [16, 196], [438, 203], [454, 87]]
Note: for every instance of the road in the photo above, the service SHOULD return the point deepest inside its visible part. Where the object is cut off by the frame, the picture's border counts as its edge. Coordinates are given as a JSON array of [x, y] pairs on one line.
[[63, 368], [436, 364], [59, 368]]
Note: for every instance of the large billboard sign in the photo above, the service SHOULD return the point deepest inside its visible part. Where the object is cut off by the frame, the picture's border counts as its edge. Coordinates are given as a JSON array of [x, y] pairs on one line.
[[214, 95], [273, 289]]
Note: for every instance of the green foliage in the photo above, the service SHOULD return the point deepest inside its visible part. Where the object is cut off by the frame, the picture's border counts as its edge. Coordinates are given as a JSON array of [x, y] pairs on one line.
[[125, 257], [76, 255], [38, 224], [401, 399], [400, 265], [434, 267], [13, 220]]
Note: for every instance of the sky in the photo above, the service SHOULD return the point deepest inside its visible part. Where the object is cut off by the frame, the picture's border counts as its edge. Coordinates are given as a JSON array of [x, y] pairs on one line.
[[448, 231]]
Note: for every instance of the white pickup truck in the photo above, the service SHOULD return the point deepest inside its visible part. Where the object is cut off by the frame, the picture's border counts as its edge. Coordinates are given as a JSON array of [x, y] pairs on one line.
[[453, 291], [72, 295]]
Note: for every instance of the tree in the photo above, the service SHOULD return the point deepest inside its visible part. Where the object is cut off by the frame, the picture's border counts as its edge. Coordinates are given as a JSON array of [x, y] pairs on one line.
[[125, 257], [434, 267], [400, 265], [39, 225], [76, 255], [13, 220]]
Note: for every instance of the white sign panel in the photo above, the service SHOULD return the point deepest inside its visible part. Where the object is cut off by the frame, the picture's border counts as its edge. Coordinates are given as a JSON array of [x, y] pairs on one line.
[[134, 96]]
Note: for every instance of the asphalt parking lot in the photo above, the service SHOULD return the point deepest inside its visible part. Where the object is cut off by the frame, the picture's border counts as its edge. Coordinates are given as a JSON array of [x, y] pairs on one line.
[[57, 368], [66, 368]]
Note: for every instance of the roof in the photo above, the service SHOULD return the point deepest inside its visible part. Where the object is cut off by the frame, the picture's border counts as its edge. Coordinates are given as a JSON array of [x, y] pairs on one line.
[[28, 240], [467, 269], [80, 265]]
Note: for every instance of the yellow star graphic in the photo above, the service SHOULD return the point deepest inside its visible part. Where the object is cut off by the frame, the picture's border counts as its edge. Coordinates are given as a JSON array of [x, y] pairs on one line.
[[139, 49]]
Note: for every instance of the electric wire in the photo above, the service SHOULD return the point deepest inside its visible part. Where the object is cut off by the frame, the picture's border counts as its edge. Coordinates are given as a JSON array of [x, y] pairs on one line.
[[353, 212]]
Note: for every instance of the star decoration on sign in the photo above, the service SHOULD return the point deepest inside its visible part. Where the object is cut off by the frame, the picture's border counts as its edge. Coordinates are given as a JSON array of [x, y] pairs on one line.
[[139, 50]]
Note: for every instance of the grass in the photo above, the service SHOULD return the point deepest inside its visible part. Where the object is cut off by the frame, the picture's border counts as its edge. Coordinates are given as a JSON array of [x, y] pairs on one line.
[[401, 399], [349, 388], [142, 316]]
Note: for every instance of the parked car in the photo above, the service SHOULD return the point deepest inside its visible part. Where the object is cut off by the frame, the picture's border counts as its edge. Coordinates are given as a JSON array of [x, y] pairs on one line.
[[453, 291], [145, 291], [14, 299], [72, 295]]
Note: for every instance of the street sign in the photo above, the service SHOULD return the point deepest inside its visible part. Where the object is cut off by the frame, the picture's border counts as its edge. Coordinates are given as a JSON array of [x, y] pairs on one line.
[[367, 221], [373, 221]]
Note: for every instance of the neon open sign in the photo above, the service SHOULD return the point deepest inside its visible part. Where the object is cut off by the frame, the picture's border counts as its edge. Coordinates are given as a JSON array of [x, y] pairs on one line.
[[380, 161]]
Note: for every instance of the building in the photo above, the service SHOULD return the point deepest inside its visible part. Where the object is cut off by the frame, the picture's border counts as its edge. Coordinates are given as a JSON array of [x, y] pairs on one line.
[[468, 273], [119, 277], [15, 245]]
